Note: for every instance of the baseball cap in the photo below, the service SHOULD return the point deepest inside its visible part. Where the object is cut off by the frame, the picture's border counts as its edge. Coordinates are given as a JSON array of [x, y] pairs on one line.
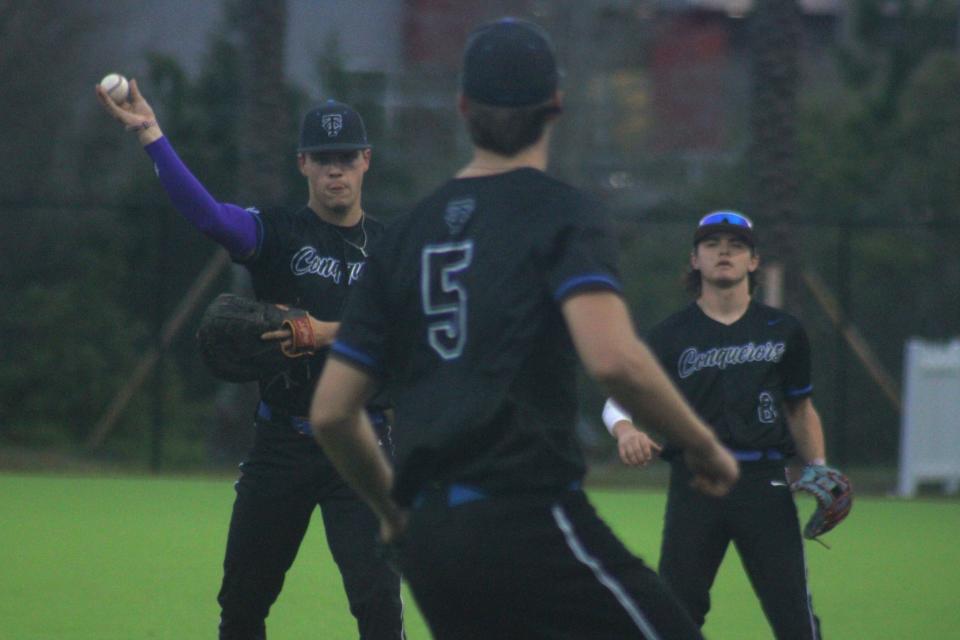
[[509, 63], [333, 126], [729, 221]]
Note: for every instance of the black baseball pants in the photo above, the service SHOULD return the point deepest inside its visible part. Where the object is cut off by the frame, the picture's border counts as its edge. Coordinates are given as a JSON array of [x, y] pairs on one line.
[[285, 477], [760, 517], [531, 566]]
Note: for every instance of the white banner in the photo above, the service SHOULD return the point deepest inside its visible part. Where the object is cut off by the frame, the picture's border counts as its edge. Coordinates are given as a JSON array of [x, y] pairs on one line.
[[930, 427]]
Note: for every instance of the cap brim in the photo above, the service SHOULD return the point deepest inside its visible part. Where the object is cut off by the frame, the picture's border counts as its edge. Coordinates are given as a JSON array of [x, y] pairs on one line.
[[710, 229], [334, 147]]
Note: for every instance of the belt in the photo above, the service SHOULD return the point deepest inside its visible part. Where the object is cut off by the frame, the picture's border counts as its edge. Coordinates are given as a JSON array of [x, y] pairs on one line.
[[302, 424], [457, 494], [755, 455]]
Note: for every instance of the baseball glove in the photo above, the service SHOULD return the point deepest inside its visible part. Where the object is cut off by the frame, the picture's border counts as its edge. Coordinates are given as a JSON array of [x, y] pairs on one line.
[[230, 342], [834, 495]]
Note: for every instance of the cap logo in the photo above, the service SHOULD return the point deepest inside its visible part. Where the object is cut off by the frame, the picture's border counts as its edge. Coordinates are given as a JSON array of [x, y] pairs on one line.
[[458, 214], [332, 123]]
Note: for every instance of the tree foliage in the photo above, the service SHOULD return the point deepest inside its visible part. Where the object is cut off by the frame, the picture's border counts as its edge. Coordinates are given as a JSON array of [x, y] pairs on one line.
[[83, 284], [38, 89], [879, 148]]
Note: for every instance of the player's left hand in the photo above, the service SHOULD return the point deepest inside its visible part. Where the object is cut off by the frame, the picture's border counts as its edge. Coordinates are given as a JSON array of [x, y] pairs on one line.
[[231, 337], [834, 494]]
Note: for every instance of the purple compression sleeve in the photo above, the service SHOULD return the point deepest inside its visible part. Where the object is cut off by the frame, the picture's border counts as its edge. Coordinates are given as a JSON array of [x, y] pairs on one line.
[[231, 226]]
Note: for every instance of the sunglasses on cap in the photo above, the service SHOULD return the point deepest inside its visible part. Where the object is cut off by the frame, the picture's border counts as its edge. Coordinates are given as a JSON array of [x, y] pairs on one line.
[[726, 217]]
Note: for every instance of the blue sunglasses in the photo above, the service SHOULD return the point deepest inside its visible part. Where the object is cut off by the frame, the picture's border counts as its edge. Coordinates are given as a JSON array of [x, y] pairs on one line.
[[726, 217]]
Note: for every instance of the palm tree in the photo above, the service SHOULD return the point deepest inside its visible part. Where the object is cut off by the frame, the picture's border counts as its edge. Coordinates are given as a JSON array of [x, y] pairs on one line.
[[265, 147], [775, 31]]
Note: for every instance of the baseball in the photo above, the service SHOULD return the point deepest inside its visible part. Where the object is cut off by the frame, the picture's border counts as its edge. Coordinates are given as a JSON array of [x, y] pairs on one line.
[[116, 87]]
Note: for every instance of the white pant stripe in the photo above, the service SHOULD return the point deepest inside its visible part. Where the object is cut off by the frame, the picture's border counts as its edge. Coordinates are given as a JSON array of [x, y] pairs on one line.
[[605, 578], [809, 598]]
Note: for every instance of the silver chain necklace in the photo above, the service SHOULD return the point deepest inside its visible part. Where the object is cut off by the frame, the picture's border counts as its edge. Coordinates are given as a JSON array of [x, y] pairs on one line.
[[362, 247]]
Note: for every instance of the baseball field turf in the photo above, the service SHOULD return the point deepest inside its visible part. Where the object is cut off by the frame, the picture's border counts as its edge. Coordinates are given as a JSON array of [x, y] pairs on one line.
[[131, 558]]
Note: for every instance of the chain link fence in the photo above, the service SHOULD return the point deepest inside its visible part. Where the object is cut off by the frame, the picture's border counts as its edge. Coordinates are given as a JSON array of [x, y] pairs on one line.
[[861, 290], [89, 292]]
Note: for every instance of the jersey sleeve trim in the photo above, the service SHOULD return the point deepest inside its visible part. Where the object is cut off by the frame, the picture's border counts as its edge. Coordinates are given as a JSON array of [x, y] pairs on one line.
[[796, 393], [587, 281], [254, 255], [354, 355]]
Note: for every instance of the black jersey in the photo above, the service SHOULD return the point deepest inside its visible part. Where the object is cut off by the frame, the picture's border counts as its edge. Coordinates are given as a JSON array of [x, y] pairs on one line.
[[460, 309], [303, 261], [738, 376]]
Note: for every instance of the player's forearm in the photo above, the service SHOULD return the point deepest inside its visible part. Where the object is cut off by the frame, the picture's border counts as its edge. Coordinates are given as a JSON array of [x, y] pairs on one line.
[[643, 389], [603, 334], [351, 445], [805, 426], [622, 428], [613, 414], [324, 332], [342, 428], [231, 226], [149, 132]]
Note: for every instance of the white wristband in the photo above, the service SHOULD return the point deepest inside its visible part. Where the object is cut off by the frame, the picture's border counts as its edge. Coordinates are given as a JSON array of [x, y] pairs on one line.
[[613, 413]]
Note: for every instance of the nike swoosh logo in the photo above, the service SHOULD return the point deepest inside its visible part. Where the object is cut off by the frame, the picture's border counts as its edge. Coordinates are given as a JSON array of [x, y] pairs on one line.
[[777, 483], [770, 323]]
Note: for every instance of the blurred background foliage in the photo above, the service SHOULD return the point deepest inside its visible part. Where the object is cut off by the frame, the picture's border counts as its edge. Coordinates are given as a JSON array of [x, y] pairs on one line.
[[94, 259]]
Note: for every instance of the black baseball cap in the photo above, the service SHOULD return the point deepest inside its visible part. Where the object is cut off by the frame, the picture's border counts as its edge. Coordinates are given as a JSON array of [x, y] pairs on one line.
[[728, 221], [509, 63], [333, 126]]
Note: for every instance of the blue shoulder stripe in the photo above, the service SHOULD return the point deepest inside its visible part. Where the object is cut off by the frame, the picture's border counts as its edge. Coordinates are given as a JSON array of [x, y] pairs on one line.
[[356, 355], [602, 280], [793, 393]]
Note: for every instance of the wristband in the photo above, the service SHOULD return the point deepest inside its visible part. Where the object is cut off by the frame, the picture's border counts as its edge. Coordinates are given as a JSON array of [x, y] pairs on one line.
[[143, 126], [612, 414], [818, 462], [302, 336]]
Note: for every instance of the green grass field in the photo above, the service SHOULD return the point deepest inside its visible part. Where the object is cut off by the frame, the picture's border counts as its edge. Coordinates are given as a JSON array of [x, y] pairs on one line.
[[130, 558]]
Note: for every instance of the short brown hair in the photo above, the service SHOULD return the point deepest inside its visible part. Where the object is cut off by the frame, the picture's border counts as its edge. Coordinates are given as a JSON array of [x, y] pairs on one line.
[[507, 130]]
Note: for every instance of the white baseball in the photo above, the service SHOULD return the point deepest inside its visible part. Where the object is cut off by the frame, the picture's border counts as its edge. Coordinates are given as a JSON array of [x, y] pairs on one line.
[[116, 87]]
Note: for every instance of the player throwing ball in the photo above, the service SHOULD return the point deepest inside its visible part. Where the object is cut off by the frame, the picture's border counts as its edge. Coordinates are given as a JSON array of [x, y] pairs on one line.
[[309, 257], [745, 367], [474, 309]]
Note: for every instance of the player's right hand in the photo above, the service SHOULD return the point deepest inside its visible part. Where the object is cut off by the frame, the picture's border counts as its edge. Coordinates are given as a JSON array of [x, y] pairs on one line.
[[635, 447], [714, 469], [323, 334], [132, 113], [393, 526]]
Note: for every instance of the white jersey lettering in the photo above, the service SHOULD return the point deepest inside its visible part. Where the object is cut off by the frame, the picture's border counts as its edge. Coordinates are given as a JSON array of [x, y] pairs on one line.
[[691, 361], [308, 261]]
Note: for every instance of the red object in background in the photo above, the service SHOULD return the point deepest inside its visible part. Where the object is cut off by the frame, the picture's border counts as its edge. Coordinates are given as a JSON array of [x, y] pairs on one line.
[[436, 30], [689, 70]]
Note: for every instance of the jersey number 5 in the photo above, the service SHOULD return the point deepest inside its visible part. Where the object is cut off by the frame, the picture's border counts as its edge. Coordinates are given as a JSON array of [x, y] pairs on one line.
[[444, 295]]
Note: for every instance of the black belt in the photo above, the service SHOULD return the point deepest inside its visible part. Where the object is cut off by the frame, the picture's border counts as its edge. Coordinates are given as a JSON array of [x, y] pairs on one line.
[[302, 424]]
